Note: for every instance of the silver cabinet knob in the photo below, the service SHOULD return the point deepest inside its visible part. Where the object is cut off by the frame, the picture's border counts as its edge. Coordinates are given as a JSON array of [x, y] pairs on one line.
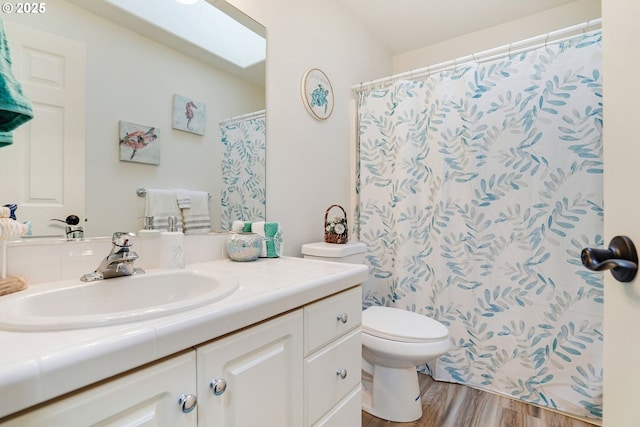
[[342, 373], [218, 386], [188, 403], [343, 317]]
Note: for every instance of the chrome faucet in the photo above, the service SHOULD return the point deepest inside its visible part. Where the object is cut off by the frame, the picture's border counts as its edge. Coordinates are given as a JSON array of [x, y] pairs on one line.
[[119, 262]]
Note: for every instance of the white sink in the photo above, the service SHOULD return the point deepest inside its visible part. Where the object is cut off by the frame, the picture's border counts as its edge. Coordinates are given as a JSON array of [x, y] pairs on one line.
[[74, 304]]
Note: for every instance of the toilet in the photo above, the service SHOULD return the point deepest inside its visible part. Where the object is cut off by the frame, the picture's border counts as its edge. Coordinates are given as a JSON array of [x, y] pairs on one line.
[[394, 343]]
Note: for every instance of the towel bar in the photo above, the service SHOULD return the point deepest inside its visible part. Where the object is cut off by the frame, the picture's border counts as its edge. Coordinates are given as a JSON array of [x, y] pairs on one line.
[[142, 192]]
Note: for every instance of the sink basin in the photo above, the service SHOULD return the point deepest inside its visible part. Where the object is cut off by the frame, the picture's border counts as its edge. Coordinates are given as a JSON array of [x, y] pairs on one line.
[[74, 304]]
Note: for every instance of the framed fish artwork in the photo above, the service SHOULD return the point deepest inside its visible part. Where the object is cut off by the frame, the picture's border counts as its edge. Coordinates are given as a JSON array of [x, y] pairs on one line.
[[139, 144], [189, 115]]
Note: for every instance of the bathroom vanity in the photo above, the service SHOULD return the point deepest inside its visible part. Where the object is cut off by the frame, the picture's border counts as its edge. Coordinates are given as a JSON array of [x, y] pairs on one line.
[[284, 349]]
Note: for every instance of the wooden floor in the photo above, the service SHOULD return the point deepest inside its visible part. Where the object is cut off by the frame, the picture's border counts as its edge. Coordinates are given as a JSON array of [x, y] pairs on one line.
[[455, 405]]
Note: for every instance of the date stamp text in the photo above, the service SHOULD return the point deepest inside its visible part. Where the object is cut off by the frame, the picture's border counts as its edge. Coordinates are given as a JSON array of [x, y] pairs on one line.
[[24, 8]]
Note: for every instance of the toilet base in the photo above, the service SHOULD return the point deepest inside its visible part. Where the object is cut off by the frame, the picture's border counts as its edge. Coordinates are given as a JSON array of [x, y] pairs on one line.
[[392, 394]]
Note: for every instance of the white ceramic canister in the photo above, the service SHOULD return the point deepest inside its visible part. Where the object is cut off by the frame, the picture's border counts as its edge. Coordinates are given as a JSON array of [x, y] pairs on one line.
[[244, 246]]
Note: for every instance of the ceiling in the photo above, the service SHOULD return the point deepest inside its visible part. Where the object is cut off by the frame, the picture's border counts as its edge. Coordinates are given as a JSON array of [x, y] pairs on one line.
[[405, 25]]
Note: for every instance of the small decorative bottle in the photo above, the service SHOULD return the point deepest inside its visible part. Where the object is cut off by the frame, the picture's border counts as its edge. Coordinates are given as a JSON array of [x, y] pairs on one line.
[[172, 246]]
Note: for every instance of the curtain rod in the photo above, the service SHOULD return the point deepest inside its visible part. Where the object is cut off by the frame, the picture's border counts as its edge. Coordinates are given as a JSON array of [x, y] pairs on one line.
[[246, 116], [485, 56]]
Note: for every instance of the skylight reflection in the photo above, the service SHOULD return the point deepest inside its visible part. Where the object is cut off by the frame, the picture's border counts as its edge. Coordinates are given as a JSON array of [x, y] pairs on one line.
[[203, 25]]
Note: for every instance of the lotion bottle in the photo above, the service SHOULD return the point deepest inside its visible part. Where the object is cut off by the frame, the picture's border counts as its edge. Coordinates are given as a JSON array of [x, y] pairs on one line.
[[172, 246]]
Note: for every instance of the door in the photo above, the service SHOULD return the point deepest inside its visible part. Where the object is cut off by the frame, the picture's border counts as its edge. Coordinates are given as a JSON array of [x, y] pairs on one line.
[[258, 376], [44, 167], [161, 395], [621, 62]]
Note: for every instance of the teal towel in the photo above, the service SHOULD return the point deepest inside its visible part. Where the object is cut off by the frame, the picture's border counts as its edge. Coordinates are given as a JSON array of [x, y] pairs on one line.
[[15, 108], [272, 234], [247, 227]]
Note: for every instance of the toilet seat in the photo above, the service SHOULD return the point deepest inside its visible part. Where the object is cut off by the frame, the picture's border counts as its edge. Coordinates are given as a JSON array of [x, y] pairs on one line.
[[401, 325]]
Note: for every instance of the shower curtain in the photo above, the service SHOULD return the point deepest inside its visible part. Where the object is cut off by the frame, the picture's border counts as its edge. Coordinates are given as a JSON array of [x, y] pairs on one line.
[[243, 169], [477, 189]]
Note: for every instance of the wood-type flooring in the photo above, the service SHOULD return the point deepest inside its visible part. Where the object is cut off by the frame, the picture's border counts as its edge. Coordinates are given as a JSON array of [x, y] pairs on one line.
[[455, 405]]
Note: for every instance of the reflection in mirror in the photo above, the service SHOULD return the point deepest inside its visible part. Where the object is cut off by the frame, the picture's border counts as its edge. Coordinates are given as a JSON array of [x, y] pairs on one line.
[[107, 66], [243, 169]]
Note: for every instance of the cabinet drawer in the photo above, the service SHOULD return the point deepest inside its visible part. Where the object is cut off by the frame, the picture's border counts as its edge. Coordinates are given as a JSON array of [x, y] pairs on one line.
[[324, 387], [346, 413], [331, 317]]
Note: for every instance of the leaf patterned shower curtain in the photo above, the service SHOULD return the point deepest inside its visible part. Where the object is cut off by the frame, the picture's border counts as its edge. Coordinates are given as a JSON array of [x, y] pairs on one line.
[[478, 187], [243, 169]]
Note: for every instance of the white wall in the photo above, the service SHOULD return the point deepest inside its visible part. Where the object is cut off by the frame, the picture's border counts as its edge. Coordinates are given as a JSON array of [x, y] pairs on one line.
[[132, 78], [564, 16], [308, 161]]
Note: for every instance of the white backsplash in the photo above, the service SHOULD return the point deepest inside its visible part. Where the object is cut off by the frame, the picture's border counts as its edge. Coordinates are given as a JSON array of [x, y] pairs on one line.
[[47, 260]]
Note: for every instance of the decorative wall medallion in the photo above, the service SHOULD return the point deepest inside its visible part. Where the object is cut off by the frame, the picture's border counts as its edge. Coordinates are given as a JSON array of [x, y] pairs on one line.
[[317, 94]]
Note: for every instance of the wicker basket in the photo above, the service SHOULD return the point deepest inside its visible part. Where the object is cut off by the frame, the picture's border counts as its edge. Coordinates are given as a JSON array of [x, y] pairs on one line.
[[335, 228]]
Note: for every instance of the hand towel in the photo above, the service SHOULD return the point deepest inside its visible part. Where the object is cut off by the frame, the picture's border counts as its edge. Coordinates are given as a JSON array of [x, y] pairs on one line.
[[273, 237], [197, 219], [237, 226], [15, 108], [161, 204], [258, 228], [10, 229], [183, 198], [248, 225]]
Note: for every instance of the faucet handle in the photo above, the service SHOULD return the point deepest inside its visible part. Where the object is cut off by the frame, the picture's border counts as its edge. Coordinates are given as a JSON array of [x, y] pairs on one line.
[[123, 239]]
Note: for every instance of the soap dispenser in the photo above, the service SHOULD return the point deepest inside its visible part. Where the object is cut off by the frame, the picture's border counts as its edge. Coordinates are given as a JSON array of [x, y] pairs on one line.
[[148, 230], [172, 246]]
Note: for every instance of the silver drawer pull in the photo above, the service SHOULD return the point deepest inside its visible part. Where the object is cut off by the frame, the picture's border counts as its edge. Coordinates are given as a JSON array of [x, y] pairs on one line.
[[342, 373], [343, 317], [188, 403], [218, 386]]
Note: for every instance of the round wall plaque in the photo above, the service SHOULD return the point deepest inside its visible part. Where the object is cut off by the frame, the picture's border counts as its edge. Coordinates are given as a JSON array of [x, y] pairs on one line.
[[317, 94]]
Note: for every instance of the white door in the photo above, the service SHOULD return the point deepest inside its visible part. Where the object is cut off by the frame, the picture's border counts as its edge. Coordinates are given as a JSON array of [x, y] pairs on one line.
[[262, 372], [621, 66], [161, 395], [43, 170]]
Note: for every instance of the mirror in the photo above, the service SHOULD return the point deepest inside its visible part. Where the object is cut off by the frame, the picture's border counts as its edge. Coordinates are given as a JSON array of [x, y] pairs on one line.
[[133, 71]]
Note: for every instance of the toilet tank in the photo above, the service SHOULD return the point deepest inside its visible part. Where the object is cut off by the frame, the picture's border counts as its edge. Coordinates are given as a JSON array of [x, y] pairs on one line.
[[350, 252]]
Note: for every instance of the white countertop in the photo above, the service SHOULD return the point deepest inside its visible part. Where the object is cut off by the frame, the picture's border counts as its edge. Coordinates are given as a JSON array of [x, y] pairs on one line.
[[38, 366]]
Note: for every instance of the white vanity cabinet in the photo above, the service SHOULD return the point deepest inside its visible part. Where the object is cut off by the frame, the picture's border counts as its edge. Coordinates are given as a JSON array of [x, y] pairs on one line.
[[300, 368], [333, 360], [253, 377], [147, 397]]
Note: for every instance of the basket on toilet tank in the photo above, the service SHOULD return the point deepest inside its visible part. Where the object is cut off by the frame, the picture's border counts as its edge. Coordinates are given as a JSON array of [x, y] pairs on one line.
[[335, 227]]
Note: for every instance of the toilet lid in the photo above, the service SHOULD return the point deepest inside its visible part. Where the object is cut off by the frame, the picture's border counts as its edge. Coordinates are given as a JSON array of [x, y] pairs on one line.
[[401, 325]]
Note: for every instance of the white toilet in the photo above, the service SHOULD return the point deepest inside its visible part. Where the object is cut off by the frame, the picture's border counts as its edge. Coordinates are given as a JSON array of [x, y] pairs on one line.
[[394, 343]]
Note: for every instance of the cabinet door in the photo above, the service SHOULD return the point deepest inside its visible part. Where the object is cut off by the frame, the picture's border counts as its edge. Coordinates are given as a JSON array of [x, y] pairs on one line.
[[148, 397], [262, 372]]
